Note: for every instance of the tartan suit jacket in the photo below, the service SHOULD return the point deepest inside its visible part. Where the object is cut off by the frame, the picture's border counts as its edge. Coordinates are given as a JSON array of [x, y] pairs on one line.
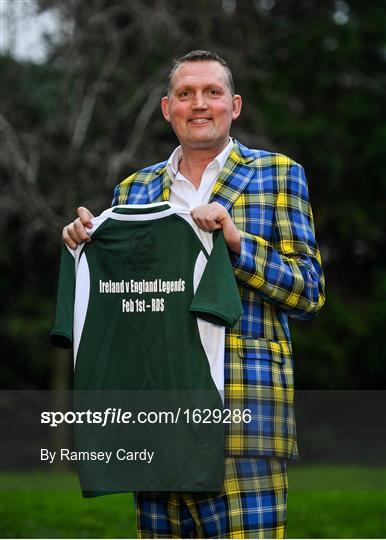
[[279, 274]]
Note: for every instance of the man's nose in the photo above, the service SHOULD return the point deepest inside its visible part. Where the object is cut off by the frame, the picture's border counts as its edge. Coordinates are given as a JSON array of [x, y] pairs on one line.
[[199, 101]]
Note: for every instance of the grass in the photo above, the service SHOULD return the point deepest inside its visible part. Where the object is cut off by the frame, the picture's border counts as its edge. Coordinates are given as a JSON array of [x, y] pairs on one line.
[[324, 502], [38, 505]]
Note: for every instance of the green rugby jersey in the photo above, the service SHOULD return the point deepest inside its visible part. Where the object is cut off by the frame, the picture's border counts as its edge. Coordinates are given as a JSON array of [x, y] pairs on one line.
[[144, 306]]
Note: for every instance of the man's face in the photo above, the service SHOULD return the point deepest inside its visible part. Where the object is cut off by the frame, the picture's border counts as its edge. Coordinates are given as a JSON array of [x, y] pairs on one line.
[[200, 106]]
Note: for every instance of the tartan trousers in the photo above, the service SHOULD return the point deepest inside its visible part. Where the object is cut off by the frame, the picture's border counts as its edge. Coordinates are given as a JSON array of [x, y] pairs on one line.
[[252, 504]]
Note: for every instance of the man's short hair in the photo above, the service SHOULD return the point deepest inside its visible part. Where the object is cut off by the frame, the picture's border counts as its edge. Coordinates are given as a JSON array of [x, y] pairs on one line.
[[201, 56]]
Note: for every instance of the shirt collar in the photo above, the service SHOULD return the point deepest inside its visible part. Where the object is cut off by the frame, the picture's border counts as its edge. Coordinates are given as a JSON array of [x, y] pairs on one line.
[[219, 161]]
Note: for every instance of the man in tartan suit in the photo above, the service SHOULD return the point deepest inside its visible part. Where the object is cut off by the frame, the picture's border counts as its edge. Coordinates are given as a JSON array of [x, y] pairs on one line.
[[260, 201]]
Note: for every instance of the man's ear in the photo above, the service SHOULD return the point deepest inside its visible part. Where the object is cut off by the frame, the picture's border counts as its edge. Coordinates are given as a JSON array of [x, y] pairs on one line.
[[237, 104], [165, 108]]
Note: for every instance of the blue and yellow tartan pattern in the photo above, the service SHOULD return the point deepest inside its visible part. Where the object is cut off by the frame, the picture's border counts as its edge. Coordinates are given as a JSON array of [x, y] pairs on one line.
[[279, 274], [252, 504]]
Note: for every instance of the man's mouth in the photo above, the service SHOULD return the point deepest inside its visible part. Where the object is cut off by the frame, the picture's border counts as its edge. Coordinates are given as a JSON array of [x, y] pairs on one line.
[[200, 120]]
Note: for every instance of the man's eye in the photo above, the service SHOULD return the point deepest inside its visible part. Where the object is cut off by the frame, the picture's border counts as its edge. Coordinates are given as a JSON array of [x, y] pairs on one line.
[[184, 93], [214, 92]]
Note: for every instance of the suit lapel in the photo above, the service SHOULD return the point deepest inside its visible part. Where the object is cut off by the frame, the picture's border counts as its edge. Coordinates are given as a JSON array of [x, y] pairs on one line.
[[159, 188], [233, 179], [165, 193]]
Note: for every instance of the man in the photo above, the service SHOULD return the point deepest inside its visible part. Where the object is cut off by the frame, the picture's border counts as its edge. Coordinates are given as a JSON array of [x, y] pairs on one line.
[[260, 201]]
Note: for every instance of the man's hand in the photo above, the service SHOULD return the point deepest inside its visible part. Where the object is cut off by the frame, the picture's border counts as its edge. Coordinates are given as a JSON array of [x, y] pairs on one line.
[[214, 216], [76, 232]]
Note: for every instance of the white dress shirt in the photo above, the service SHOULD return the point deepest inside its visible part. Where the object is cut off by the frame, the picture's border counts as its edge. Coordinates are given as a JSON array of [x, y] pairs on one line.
[[183, 192]]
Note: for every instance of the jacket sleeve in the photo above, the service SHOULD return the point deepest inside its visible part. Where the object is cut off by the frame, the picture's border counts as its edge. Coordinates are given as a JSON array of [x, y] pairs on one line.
[[286, 271]]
